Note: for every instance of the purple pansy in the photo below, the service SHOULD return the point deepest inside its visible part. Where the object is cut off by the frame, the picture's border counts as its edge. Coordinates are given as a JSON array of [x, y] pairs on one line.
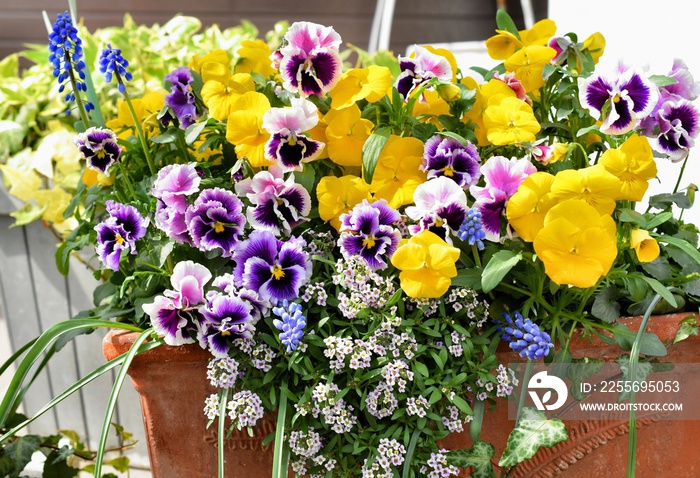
[[440, 206], [288, 146], [175, 314], [215, 220], [367, 230], [119, 232], [627, 97], [502, 177], [274, 269], [278, 205], [678, 127], [227, 285], [99, 148], [686, 87], [424, 66], [226, 317], [448, 157], [310, 62], [181, 98]]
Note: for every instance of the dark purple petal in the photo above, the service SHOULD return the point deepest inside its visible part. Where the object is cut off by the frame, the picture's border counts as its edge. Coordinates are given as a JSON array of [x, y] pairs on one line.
[[291, 67], [491, 211], [597, 93], [453, 214], [624, 121], [639, 92], [405, 83], [327, 67], [285, 288]]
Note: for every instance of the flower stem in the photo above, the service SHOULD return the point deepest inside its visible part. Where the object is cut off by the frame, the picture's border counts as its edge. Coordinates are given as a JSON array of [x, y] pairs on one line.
[[523, 391], [223, 396], [127, 180], [139, 129], [680, 175], [78, 100]]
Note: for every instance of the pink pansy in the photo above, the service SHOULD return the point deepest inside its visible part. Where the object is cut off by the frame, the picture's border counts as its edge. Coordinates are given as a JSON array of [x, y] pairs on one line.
[[424, 66]]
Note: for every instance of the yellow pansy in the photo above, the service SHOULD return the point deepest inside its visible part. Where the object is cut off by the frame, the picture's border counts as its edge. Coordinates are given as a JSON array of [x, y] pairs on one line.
[[527, 65], [220, 96], [427, 265], [577, 245], [254, 57], [644, 245], [146, 109], [398, 174], [595, 45], [633, 164], [347, 133], [560, 151], [502, 45], [594, 185], [216, 56], [337, 196], [527, 208], [494, 90], [370, 83], [510, 121], [430, 108], [91, 177], [540, 33], [244, 128]]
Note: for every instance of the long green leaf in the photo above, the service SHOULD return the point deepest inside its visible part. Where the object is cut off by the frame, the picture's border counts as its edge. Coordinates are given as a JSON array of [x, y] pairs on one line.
[[499, 265], [221, 439], [42, 343], [279, 466], [410, 452], [371, 150], [112, 403], [99, 371], [683, 245], [8, 363]]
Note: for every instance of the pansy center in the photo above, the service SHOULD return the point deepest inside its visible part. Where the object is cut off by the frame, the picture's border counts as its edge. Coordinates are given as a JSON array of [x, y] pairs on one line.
[[225, 333], [118, 239], [100, 153], [218, 227], [369, 241], [277, 271], [448, 171]]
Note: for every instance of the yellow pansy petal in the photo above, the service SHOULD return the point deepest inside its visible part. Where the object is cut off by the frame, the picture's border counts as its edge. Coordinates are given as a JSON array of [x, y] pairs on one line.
[[540, 33], [337, 196], [424, 284], [594, 185], [398, 174], [216, 56], [595, 45], [254, 57], [510, 121], [527, 208], [527, 65], [213, 71], [633, 164], [379, 81], [410, 257], [347, 133], [244, 128], [502, 45], [644, 245]]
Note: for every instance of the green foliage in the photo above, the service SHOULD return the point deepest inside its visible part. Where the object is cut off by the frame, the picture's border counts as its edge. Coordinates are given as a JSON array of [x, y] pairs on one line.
[[478, 457], [532, 432]]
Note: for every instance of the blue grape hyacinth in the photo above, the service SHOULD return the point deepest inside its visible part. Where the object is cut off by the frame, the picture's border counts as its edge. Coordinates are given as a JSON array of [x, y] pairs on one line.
[[292, 323], [471, 229], [525, 337], [113, 63]]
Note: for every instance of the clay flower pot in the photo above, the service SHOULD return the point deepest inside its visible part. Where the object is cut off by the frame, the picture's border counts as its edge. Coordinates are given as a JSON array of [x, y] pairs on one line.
[[598, 448], [172, 385]]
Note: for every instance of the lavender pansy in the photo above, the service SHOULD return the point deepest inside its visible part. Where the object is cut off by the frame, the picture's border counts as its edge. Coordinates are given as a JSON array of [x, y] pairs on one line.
[[678, 127], [172, 186], [99, 148], [421, 68], [367, 231], [287, 144], [686, 87], [627, 98], [274, 269], [448, 157], [118, 233], [278, 204], [310, 63], [181, 98], [440, 206], [175, 314], [215, 220], [226, 317]]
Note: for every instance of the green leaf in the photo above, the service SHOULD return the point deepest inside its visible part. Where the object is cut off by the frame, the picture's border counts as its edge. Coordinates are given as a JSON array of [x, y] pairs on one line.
[[478, 457], [660, 289], [584, 368], [662, 201], [497, 268], [638, 372], [192, 132], [657, 220], [470, 278], [649, 345], [591, 129], [56, 466], [120, 464], [455, 136], [689, 326], [462, 404], [663, 80], [20, 452], [372, 149], [306, 177], [506, 23], [628, 215], [605, 306], [63, 258], [533, 431], [683, 245]]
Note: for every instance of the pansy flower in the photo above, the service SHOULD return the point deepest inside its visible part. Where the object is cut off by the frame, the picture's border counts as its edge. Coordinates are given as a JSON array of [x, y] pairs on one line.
[[347, 132], [370, 83], [367, 230], [502, 177], [278, 204], [226, 317], [99, 148], [118, 233], [244, 128], [181, 99], [288, 146], [447, 157], [626, 98], [678, 127], [421, 68], [175, 313], [215, 220], [645, 246], [172, 186], [337, 196], [510, 121], [310, 62], [440, 206], [274, 269], [633, 164], [398, 174]]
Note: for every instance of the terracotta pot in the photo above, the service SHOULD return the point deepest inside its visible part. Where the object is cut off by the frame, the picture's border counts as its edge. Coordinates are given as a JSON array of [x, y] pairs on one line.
[[598, 448], [172, 385]]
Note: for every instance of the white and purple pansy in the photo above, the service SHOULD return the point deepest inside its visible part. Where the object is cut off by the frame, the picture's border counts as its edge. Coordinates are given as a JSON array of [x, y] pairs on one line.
[[274, 269], [215, 220], [502, 177], [99, 148], [678, 128], [278, 204], [226, 284], [119, 232], [368, 231], [175, 314], [627, 98], [288, 146], [422, 67], [440, 207], [226, 317], [181, 98], [310, 63], [172, 186], [448, 157]]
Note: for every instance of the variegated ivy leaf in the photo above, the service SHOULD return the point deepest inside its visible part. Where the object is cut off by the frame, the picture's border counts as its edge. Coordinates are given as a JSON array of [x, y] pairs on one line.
[[533, 431], [479, 457]]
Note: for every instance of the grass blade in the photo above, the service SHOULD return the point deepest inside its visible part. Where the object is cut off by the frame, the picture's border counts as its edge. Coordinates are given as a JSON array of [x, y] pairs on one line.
[[279, 465]]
